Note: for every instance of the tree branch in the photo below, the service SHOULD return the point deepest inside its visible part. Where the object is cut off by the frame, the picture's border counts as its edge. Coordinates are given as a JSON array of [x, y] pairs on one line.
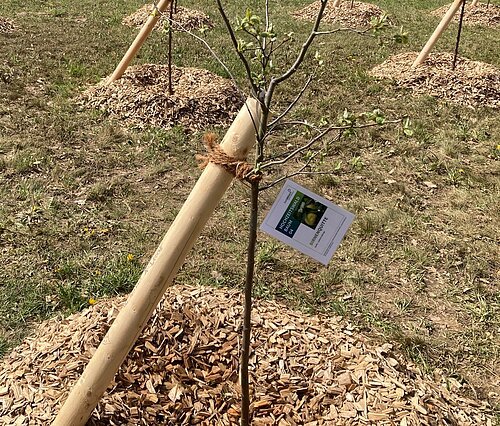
[[235, 45], [264, 43], [287, 176], [315, 139], [296, 123], [300, 58], [291, 105], [340, 30]]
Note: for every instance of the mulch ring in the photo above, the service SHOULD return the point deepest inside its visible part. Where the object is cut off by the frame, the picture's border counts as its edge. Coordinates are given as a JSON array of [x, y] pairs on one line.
[[481, 14], [6, 26], [184, 18], [472, 83], [141, 98], [183, 370], [360, 15]]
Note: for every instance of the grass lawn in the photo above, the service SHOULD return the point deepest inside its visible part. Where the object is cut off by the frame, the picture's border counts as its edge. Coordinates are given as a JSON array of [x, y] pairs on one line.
[[84, 201]]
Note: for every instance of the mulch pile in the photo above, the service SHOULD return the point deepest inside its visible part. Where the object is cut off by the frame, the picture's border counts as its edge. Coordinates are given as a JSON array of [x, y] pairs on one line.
[[140, 98], [184, 18], [481, 14], [6, 26], [472, 83], [184, 370], [359, 16]]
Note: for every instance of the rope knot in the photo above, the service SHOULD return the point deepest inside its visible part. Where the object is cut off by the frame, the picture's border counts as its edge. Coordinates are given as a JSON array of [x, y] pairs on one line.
[[240, 169]]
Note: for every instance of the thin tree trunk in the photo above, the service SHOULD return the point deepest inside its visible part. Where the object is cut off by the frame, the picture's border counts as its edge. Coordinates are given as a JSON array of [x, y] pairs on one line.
[[247, 310], [170, 15], [457, 44]]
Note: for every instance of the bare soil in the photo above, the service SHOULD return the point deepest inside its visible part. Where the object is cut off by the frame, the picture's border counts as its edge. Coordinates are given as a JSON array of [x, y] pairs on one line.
[[185, 367], [141, 98], [481, 14], [472, 83], [184, 18], [358, 16]]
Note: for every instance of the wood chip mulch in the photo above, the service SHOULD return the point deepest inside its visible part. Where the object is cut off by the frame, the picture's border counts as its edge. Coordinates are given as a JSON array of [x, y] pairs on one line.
[[184, 18], [472, 83], [140, 98], [6, 26], [481, 14], [359, 16], [183, 370]]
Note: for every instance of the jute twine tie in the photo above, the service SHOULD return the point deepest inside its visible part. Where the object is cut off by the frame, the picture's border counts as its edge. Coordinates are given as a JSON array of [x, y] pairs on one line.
[[238, 168]]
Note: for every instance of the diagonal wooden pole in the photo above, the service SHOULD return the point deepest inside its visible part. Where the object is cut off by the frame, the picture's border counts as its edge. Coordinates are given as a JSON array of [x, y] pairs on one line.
[[437, 32], [159, 273], [139, 40]]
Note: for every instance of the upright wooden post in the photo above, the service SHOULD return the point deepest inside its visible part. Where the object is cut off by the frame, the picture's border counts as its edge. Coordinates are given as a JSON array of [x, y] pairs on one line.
[[139, 40], [474, 2], [336, 3], [159, 274], [437, 32]]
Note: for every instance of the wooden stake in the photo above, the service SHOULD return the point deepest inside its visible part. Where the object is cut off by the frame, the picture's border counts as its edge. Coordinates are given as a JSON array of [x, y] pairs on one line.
[[139, 40], [159, 274], [474, 2], [437, 32], [336, 3]]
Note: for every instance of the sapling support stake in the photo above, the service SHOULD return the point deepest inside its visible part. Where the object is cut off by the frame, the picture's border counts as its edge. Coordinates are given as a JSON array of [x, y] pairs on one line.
[[139, 40], [447, 18], [459, 33], [159, 273]]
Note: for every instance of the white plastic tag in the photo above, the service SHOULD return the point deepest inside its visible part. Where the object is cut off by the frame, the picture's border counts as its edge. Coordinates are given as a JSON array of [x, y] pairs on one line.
[[307, 222]]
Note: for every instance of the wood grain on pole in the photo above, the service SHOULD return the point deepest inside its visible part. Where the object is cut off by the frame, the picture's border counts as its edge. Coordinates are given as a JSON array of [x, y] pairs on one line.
[[158, 275], [437, 32], [139, 40]]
